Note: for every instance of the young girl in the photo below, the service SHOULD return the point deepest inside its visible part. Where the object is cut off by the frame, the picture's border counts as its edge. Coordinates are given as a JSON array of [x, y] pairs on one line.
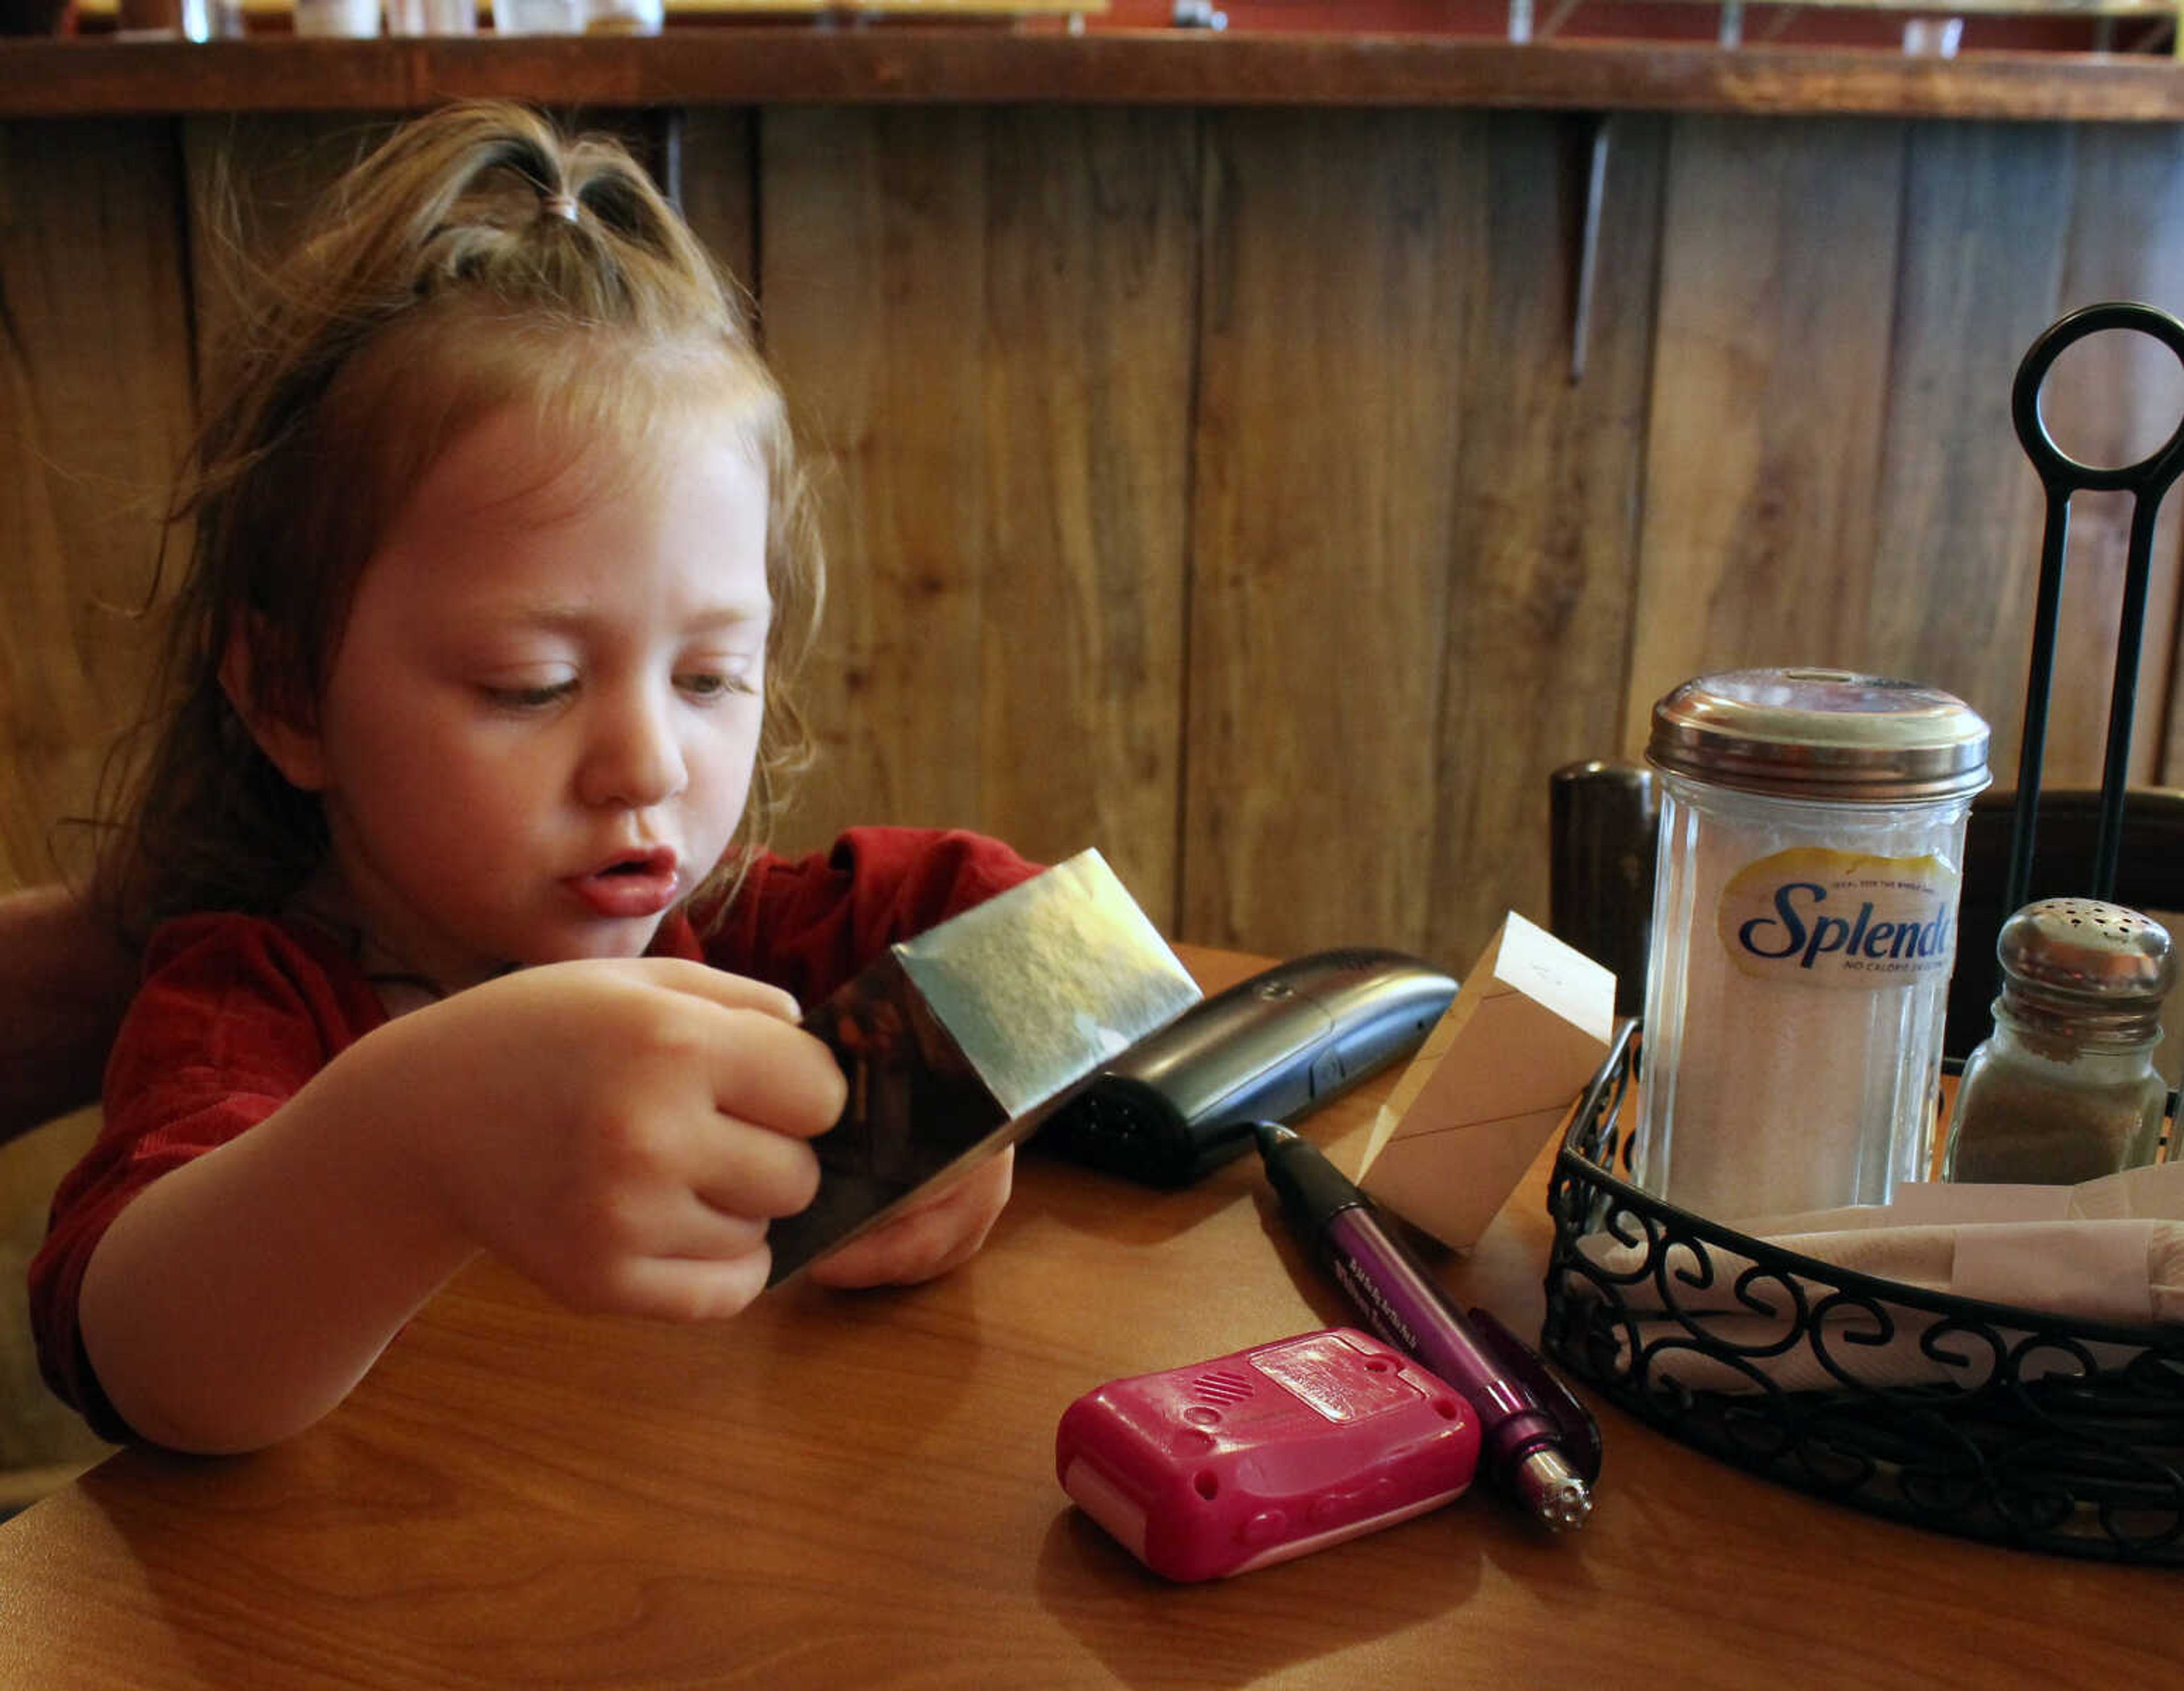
[[475, 728]]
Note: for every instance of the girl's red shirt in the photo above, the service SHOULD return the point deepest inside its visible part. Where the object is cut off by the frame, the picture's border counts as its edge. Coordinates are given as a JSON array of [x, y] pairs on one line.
[[236, 1012]]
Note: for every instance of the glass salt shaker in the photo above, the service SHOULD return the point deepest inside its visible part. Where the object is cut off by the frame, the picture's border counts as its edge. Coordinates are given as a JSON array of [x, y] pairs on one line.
[[1804, 928], [2064, 1090]]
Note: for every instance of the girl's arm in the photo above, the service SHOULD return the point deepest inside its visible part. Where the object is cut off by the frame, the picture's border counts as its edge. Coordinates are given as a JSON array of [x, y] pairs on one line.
[[619, 1132], [64, 981]]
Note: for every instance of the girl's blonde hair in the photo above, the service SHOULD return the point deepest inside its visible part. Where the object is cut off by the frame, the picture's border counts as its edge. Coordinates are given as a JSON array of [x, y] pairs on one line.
[[477, 260]]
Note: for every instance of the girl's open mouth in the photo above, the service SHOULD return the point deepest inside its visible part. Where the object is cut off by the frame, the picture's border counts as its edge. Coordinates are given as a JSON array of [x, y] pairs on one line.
[[640, 884]]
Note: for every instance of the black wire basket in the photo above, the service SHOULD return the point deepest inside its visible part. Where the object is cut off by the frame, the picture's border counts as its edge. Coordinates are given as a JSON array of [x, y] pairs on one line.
[[1978, 1420], [1981, 1420]]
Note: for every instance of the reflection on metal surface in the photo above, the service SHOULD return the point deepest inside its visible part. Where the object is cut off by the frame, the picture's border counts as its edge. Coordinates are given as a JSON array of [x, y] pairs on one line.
[[958, 1041]]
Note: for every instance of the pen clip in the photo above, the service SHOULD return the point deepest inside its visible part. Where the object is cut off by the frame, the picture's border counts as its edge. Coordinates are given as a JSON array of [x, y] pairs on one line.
[[1580, 1432]]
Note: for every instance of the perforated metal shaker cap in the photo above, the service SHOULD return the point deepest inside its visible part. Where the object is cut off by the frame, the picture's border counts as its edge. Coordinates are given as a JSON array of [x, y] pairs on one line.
[[1821, 734], [2080, 958]]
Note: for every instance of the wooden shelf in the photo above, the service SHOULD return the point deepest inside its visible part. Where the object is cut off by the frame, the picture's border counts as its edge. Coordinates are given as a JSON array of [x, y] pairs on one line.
[[768, 65]]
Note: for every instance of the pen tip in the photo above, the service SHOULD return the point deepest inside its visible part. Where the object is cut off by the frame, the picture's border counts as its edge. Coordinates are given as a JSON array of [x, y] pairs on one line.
[[1568, 1507], [1270, 1135], [1556, 1493]]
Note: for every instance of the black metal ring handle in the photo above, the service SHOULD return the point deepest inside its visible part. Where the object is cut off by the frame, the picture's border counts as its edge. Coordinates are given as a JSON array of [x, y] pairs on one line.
[[2057, 467], [2061, 476]]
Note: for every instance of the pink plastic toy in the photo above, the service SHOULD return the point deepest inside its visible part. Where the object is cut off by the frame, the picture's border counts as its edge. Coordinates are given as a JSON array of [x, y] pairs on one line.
[[1267, 1454]]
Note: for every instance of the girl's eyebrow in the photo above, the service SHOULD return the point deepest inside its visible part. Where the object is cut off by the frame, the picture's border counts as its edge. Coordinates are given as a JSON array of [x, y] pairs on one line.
[[734, 614], [565, 616]]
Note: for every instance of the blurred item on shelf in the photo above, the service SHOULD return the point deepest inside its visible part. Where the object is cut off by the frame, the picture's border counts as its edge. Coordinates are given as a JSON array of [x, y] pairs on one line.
[[213, 19], [1914, 28]]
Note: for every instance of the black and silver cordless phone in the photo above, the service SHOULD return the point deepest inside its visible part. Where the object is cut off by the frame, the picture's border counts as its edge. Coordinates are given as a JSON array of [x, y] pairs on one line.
[[1180, 1103]]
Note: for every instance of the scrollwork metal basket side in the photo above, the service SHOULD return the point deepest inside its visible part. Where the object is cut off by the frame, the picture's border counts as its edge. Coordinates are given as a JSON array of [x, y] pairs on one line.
[[1978, 1420]]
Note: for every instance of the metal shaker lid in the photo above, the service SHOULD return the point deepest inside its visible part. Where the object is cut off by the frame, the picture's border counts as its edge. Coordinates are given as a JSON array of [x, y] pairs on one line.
[[1821, 734], [2079, 955]]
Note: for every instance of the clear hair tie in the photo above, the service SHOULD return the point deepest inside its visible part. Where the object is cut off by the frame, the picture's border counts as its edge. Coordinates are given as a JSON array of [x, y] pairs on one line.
[[558, 204]]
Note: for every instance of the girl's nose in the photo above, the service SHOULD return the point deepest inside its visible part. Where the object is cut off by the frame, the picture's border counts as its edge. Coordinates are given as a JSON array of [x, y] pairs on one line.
[[634, 759]]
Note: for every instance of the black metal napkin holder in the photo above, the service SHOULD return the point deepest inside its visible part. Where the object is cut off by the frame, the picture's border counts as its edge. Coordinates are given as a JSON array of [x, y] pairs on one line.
[[2065, 1435], [2029, 1429]]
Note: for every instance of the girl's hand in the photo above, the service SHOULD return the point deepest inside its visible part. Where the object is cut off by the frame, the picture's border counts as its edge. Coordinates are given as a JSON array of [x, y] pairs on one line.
[[928, 1240], [621, 1131]]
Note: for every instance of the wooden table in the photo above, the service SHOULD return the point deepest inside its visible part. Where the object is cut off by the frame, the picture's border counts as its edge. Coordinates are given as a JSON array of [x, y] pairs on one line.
[[859, 1491]]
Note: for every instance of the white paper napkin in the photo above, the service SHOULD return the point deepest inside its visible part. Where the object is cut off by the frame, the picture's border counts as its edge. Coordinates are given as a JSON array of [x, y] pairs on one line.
[[2110, 1251]]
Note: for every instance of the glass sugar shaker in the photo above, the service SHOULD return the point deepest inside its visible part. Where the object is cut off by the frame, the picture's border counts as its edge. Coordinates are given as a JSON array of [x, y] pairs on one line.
[[1804, 928], [2065, 1090]]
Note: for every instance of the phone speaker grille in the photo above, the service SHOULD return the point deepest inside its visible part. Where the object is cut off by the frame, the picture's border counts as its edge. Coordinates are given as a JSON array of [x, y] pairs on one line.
[[1114, 1121], [1224, 1387]]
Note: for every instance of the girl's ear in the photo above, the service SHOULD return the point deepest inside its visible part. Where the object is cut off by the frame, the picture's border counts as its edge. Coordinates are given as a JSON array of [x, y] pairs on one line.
[[291, 749]]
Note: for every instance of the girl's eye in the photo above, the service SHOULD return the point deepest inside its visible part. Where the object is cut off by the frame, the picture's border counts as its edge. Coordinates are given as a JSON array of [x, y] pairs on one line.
[[536, 698], [709, 683]]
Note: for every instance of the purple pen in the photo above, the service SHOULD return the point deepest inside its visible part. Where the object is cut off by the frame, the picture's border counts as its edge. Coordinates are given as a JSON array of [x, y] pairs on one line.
[[1546, 1459]]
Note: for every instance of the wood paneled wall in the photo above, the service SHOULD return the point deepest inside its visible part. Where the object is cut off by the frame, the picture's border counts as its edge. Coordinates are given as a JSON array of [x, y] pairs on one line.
[[1211, 486]]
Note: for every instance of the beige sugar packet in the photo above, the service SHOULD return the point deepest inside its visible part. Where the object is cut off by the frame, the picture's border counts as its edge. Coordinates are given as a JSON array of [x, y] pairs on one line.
[[1496, 1076]]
